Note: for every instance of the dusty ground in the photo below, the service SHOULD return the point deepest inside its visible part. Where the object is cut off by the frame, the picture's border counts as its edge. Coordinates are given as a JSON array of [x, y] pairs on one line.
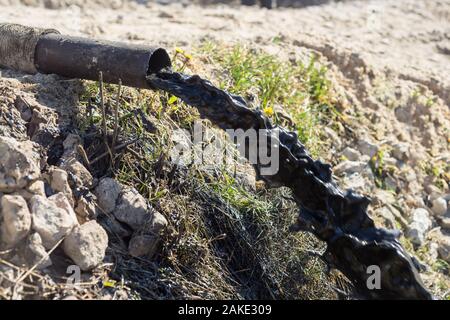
[[409, 37], [389, 60]]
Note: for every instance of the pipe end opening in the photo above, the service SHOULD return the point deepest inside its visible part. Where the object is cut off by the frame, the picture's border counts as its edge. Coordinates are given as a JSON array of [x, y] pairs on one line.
[[158, 60]]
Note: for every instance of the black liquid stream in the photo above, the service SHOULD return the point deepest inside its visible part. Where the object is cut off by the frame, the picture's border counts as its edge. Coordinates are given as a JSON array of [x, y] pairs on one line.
[[339, 218]]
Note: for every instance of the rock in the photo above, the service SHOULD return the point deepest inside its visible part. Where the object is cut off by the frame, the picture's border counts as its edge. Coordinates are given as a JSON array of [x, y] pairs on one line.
[[181, 153], [433, 251], [349, 167], [398, 217], [246, 178], [439, 206], [158, 223], [410, 175], [8, 275], [443, 241], [60, 183], [420, 224], [387, 216], [381, 197], [400, 151], [62, 202], [107, 192], [37, 188], [143, 245], [333, 136], [19, 164], [15, 222], [351, 154], [444, 249], [34, 188], [389, 162], [355, 182], [444, 223], [86, 245], [81, 175], [86, 209], [132, 209], [116, 228], [70, 145], [70, 162], [33, 252], [52, 219], [367, 148], [23, 106], [433, 191]]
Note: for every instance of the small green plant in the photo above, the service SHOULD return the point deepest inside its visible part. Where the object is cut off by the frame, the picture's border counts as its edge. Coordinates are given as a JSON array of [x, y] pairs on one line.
[[438, 170], [378, 168], [301, 90], [441, 266]]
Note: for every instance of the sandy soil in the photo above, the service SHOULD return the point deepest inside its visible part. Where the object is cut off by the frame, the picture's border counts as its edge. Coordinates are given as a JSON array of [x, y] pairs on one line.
[[410, 37]]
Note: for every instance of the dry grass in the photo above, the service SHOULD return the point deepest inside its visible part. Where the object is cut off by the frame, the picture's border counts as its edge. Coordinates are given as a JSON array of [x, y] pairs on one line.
[[224, 240]]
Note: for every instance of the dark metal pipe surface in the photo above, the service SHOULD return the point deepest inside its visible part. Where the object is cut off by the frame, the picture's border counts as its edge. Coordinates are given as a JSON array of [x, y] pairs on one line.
[[34, 50], [75, 57]]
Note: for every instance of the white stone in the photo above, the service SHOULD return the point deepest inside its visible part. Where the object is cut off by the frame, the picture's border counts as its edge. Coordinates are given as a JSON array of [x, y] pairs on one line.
[[51, 220], [444, 222], [86, 245], [367, 148], [8, 275], [351, 154], [132, 209], [81, 175], [420, 224], [159, 222], [433, 250], [71, 146], [439, 206], [400, 151], [349, 167], [19, 164], [107, 192], [387, 216], [444, 249], [443, 241], [60, 183], [63, 202], [355, 182], [15, 220], [333, 136], [381, 197], [86, 209], [37, 188]]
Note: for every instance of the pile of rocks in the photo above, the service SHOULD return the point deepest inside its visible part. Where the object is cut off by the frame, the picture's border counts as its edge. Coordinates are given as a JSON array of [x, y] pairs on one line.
[[40, 211], [132, 216], [49, 201]]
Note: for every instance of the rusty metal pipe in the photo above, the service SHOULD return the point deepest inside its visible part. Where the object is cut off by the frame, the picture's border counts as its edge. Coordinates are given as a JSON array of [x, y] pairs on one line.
[[34, 50]]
